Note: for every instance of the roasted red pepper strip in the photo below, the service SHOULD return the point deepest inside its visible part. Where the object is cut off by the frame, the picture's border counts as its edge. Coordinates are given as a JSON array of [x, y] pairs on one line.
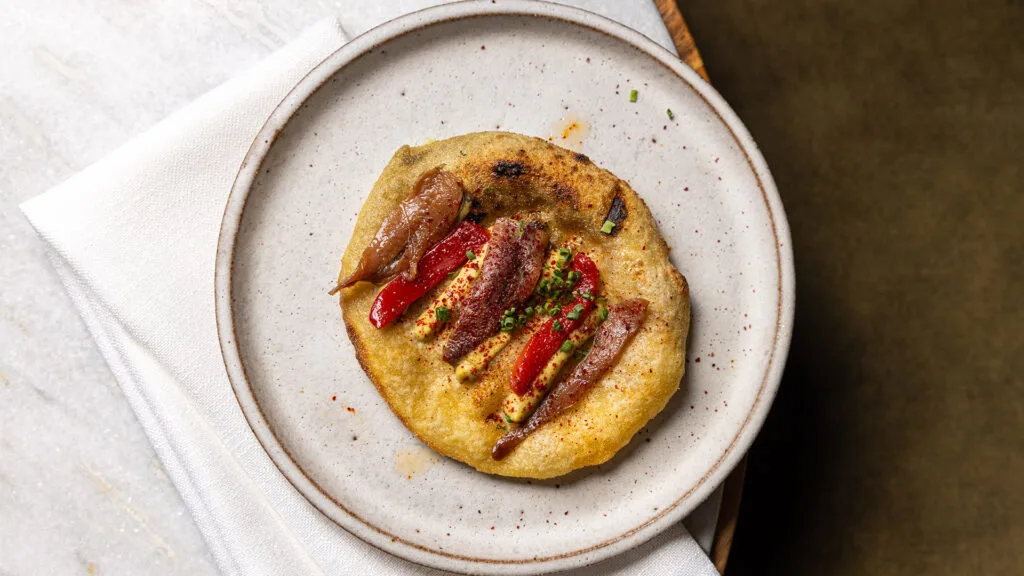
[[547, 340], [440, 260]]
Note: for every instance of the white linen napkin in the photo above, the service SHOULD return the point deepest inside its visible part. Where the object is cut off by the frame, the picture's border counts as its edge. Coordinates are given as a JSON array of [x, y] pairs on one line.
[[133, 239]]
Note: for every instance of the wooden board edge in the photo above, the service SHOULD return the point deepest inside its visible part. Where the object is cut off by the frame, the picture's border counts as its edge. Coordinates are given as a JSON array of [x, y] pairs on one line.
[[728, 514], [681, 36]]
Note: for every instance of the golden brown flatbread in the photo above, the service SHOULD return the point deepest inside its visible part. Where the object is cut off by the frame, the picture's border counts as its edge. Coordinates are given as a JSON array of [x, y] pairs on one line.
[[509, 175]]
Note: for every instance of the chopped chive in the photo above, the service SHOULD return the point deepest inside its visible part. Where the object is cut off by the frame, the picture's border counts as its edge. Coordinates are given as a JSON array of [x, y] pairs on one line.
[[553, 312], [671, 116], [508, 324], [566, 346], [587, 296], [557, 326], [508, 418], [529, 310], [442, 313], [608, 227], [632, 95], [470, 255], [564, 253], [603, 314]]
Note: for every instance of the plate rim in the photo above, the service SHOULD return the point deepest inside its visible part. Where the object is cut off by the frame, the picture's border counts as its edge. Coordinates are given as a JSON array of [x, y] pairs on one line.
[[279, 455]]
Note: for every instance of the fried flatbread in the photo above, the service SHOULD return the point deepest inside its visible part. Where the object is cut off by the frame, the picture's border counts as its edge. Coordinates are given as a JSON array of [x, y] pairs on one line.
[[517, 176]]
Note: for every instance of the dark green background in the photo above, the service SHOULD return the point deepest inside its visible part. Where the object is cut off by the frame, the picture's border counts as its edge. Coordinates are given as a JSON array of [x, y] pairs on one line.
[[895, 132]]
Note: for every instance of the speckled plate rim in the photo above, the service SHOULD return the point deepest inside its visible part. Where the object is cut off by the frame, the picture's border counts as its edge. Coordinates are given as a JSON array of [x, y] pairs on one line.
[[360, 527]]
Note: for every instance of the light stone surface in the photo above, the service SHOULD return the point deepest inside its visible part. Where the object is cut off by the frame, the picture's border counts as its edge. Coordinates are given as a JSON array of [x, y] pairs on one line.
[[81, 491]]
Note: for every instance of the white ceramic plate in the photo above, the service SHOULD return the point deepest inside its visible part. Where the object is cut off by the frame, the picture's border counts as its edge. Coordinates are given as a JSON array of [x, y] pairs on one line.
[[535, 69]]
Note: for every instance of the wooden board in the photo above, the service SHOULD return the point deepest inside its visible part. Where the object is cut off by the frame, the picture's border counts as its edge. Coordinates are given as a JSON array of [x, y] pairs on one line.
[[681, 37], [733, 489]]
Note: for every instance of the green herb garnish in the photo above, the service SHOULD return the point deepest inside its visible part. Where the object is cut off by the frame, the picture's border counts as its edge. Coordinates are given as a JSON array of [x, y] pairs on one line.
[[566, 346], [608, 227], [557, 326], [603, 314], [508, 324], [442, 313], [632, 95], [671, 116], [574, 314], [470, 255]]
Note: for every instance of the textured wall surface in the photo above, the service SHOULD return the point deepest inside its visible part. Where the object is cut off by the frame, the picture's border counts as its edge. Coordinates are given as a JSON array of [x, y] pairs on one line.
[[895, 131]]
